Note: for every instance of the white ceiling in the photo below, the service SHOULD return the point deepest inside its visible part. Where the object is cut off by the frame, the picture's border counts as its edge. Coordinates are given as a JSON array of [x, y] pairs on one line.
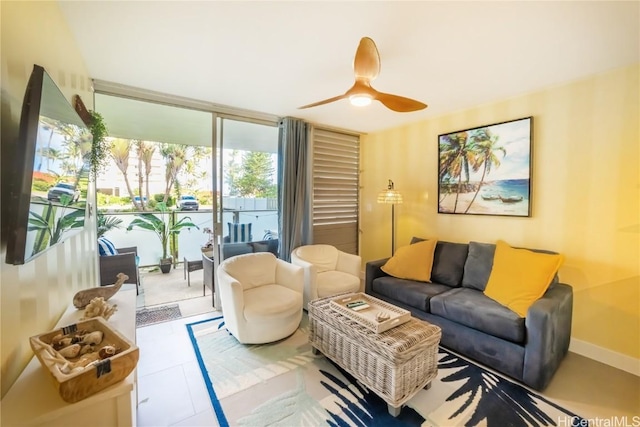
[[273, 57]]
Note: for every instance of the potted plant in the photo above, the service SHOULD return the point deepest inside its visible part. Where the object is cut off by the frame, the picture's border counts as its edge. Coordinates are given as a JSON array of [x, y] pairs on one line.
[[208, 247], [163, 229]]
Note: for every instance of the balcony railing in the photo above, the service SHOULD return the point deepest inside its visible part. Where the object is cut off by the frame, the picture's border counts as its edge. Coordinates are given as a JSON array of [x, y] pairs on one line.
[[189, 241]]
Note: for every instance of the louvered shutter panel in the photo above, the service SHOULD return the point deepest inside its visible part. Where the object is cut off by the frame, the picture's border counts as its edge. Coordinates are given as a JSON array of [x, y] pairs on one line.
[[335, 189]]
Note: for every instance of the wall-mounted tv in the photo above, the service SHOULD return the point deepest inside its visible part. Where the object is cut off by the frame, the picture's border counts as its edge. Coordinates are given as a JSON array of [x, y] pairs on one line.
[[49, 193]]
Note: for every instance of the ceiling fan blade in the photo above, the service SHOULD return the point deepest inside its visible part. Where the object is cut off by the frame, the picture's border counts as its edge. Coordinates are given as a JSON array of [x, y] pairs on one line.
[[366, 63], [399, 103], [325, 101]]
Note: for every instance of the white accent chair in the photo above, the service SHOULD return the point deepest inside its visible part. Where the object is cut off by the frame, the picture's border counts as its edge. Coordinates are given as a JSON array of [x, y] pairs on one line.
[[327, 271], [261, 297]]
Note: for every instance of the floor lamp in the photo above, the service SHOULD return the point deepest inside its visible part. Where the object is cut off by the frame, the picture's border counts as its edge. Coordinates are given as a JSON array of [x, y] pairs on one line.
[[391, 196]]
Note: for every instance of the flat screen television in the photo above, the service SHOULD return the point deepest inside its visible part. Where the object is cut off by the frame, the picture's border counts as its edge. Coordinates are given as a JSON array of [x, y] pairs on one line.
[[49, 189]]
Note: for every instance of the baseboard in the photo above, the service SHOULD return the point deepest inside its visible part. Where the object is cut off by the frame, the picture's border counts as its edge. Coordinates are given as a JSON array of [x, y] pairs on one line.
[[606, 356]]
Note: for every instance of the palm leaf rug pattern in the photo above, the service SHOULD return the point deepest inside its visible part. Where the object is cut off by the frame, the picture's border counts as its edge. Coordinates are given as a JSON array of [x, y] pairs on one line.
[[284, 384]]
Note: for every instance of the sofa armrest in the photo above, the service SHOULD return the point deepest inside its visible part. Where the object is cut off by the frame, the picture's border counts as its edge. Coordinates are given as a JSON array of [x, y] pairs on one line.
[[372, 272], [232, 301], [133, 249], [548, 325], [349, 263], [289, 275], [310, 278]]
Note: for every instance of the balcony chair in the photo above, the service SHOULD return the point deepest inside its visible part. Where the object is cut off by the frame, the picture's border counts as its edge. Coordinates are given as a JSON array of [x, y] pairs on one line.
[[124, 261], [261, 297], [327, 271]]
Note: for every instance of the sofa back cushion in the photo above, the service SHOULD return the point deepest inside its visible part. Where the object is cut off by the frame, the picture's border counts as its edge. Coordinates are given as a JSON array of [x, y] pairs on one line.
[[448, 262], [478, 266]]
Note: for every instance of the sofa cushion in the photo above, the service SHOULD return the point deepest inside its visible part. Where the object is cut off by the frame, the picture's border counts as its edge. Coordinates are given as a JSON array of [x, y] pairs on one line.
[[519, 277], [412, 262], [409, 292], [472, 308], [264, 303], [448, 262], [477, 268]]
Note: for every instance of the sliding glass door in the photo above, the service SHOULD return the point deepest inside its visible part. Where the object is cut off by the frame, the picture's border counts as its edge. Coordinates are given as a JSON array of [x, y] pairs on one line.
[[218, 170], [247, 183]]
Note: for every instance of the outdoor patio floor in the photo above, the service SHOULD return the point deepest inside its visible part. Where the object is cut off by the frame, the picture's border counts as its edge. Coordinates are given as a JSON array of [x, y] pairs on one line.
[[158, 289]]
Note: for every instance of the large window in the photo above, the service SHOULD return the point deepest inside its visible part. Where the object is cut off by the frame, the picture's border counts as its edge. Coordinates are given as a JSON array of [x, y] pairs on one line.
[[248, 181]]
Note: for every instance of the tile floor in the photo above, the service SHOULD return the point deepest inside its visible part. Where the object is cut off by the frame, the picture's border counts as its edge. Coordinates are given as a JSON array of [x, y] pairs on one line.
[[171, 391]]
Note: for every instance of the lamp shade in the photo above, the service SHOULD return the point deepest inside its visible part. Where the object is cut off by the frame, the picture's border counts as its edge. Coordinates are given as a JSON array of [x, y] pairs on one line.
[[390, 195]]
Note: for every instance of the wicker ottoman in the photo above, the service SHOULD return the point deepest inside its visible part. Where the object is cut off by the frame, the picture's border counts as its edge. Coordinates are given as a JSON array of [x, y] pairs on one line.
[[394, 364]]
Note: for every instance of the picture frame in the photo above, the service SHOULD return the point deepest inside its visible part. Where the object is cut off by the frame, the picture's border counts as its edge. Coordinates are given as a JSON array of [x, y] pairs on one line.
[[486, 170]]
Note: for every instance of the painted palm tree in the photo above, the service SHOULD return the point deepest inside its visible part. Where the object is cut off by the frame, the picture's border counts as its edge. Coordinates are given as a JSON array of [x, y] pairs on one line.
[[120, 150], [455, 157], [485, 146]]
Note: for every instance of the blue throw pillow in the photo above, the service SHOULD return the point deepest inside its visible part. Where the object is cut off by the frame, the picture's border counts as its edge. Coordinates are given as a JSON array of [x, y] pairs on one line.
[[105, 247], [239, 232]]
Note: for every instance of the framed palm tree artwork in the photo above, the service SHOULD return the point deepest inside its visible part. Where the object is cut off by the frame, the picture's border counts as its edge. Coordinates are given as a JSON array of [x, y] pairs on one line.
[[486, 170]]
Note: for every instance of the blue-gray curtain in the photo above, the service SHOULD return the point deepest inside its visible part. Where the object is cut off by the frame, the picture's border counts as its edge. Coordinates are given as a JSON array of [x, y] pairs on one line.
[[293, 140]]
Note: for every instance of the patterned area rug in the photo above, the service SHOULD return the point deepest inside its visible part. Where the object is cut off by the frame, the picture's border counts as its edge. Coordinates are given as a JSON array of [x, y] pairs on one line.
[[284, 384], [149, 316]]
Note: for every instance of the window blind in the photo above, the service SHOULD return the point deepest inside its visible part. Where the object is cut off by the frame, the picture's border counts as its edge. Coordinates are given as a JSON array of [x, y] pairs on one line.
[[335, 189]]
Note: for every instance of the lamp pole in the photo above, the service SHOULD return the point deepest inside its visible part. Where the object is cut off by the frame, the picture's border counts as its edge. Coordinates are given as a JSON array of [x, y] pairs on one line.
[[390, 196], [393, 229]]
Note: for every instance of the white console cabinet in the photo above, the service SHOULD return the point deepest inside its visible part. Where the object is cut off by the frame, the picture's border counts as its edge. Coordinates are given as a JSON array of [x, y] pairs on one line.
[[34, 401]]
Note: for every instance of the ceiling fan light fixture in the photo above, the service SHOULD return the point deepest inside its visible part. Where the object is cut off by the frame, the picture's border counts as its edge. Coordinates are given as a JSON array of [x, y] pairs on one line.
[[360, 100]]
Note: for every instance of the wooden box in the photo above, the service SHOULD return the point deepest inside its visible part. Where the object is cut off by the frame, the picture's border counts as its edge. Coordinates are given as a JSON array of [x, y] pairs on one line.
[[76, 386]]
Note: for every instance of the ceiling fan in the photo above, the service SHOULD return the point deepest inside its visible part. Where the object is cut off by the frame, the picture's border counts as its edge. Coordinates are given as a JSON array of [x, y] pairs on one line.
[[366, 67]]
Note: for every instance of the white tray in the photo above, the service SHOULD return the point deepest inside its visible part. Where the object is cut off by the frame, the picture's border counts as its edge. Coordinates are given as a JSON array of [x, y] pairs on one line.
[[367, 316]]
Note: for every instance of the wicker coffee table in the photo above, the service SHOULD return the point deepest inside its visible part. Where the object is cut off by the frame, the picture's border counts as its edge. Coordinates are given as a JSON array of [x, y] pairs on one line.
[[394, 364]]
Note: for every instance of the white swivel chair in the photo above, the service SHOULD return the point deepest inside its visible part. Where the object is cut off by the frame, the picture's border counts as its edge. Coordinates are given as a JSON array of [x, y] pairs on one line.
[[261, 297], [327, 271]]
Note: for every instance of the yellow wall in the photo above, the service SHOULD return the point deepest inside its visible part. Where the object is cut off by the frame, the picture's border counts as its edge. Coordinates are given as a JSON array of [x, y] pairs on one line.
[[585, 195], [33, 296]]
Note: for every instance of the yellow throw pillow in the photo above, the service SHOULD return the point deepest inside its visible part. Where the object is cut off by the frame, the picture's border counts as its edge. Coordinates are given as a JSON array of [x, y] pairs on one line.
[[412, 262], [519, 277]]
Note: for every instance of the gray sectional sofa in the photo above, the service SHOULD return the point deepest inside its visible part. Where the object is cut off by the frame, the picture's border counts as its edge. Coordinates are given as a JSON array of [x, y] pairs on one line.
[[232, 249], [528, 349]]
